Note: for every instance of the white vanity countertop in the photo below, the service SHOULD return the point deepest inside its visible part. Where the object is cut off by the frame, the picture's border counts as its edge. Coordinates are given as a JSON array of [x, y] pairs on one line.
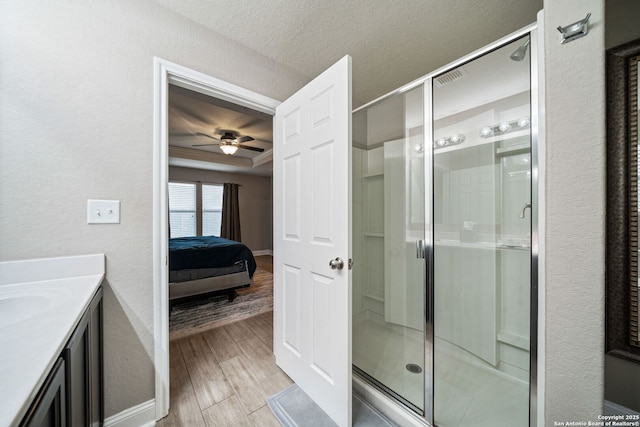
[[41, 302]]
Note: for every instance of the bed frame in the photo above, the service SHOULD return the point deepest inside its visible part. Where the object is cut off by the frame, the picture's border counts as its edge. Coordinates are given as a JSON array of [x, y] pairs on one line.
[[223, 282]]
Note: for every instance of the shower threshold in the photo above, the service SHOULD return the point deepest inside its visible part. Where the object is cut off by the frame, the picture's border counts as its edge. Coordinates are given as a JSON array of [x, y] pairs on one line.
[[398, 410], [386, 390]]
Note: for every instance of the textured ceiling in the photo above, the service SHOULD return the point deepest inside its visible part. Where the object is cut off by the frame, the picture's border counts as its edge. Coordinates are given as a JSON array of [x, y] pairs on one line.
[[391, 42]]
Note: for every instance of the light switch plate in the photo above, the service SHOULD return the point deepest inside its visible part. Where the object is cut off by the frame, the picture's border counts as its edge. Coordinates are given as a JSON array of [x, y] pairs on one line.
[[103, 211]]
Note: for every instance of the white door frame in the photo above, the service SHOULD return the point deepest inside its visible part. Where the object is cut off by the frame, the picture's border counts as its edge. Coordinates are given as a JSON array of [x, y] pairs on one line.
[[165, 72]]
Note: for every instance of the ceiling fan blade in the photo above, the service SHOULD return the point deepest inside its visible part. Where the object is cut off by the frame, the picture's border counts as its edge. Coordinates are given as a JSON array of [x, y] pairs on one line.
[[244, 139], [208, 136], [182, 134], [248, 147], [194, 115], [252, 122], [204, 145]]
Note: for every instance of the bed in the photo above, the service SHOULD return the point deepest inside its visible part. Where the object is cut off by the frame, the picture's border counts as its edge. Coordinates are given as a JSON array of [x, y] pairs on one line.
[[205, 264]]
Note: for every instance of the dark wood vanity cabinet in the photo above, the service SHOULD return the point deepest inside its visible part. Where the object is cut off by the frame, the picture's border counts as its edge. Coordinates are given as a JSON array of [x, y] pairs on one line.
[[84, 371], [96, 404], [49, 409], [73, 393]]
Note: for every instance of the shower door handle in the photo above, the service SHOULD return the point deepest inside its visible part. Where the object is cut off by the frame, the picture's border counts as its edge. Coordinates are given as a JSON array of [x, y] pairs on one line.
[[421, 249]]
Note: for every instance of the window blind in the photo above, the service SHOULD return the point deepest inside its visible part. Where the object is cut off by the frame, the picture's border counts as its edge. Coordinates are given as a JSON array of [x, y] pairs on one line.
[[182, 209], [211, 209]]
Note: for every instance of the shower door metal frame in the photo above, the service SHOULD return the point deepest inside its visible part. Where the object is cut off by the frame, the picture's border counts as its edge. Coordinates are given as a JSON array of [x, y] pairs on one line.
[[537, 126], [429, 337], [537, 150], [536, 85]]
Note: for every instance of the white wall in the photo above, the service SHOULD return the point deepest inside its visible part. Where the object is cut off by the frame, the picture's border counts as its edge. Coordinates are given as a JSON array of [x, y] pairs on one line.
[[622, 377], [575, 185], [254, 197], [76, 122]]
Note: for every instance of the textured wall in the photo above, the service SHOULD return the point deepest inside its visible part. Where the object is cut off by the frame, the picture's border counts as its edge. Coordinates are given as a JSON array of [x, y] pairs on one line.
[[76, 122], [575, 162], [254, 197], [622, 377]]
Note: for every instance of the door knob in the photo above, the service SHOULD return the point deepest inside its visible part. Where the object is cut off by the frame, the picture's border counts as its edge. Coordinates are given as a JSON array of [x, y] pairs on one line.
[[336, 264]]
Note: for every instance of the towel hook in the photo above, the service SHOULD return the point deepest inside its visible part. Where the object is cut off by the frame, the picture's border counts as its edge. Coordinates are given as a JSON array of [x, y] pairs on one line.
[[576, 30]]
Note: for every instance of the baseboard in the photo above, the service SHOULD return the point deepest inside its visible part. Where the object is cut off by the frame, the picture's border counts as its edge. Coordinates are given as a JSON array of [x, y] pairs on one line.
[[263, 252], [611, 408], [142, 415]]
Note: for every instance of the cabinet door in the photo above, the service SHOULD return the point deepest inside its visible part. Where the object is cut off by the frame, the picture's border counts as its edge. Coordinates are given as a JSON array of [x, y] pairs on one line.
[[76, 355], [84, 377], [48, 409], [95, 368]]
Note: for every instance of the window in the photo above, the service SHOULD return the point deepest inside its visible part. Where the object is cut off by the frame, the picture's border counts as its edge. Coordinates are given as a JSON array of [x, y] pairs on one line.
[[211, 209], [195, 209], [182, 209]]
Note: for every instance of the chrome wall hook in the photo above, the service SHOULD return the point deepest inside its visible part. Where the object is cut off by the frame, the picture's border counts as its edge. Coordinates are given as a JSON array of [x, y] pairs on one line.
[[576, 30]]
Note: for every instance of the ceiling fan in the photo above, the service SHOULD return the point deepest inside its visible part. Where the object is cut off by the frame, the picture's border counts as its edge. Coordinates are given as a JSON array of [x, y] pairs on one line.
[[229, 142]]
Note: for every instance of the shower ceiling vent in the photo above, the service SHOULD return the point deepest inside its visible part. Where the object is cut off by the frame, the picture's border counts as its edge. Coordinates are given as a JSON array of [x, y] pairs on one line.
[[450, 77]]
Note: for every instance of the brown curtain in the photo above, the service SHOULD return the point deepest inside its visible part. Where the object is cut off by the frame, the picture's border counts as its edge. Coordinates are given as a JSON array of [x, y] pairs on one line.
[[230, 226]]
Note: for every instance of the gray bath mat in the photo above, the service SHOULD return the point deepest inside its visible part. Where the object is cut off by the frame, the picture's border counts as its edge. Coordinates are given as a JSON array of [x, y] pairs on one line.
[[293, 408]]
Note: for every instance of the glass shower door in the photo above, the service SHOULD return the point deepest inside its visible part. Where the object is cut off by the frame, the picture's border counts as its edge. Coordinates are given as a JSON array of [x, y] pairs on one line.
[[482, 240], [388, 220]]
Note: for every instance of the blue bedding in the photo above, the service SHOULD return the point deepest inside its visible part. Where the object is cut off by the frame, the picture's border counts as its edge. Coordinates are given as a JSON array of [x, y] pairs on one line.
[[208, 252]]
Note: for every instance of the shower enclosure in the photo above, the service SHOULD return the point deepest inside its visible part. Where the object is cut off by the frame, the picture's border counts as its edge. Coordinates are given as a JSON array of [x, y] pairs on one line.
[[444, 222]]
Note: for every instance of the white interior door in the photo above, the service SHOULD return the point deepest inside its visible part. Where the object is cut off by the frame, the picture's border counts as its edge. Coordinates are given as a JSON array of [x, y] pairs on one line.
[[312, 226]]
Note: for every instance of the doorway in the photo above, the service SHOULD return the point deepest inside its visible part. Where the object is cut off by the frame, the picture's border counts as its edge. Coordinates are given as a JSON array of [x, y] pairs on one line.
[[166, 73]]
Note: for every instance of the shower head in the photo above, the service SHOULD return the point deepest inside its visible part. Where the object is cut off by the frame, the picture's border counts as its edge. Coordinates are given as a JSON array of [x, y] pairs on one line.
[[518, 55]]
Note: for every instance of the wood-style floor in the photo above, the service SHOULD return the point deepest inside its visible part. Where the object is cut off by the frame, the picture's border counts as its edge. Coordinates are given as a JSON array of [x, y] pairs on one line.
[[223, 376], [265, 262]]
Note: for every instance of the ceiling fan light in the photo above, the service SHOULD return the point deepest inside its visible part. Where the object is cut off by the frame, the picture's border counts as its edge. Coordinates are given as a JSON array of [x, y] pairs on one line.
[[228, 149]]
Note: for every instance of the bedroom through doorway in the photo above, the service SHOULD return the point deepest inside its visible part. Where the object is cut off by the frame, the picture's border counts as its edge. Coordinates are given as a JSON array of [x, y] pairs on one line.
[[220, 212]]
